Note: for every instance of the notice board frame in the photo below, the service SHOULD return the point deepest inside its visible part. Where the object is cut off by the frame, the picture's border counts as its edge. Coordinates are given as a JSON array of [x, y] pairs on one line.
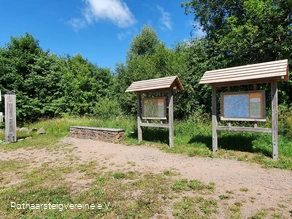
[[252, 94], [158, 99]]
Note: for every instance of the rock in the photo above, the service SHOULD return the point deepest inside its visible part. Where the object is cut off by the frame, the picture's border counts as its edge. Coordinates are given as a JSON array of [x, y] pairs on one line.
[[23, 129], [21, 139], [41, 131], [27, 138], [32, 130]]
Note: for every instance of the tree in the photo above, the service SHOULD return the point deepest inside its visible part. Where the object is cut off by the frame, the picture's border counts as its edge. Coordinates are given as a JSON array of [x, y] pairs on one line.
[[33, 74], [144, 44], [245, 31], [83, 85]]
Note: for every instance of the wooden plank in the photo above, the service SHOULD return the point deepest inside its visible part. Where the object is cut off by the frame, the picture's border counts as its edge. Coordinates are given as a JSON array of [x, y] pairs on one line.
[[263, 65], [139, 121], [243, 129], [242, 119], [157, 125], [156, 84], [274, 96], [255, 70], [170, 119], [155, 118], [247, 74], [278, 69], [246, 82], [235, 78], [214, 120]]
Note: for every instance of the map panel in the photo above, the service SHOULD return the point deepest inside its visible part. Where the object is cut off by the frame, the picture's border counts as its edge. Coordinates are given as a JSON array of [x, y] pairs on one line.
[[248, 105], [154, 107], [236, 106]]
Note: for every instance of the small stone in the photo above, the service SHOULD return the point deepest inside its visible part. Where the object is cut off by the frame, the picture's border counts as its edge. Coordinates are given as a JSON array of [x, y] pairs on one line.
[[27, 138], [41, 131], [21, 139], [32, 130], [23, 129]]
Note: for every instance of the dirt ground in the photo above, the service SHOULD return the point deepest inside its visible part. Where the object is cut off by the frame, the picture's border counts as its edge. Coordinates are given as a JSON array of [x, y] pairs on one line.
[[266, 188]]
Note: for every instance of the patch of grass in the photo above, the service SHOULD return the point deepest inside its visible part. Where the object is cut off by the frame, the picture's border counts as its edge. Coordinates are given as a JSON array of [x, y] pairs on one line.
[[196, 185], [197, 207], [185, 185], [243, 189], [260, 215], [234, 208], [119, 175], [179, 185], [12, 165], [224, 197]]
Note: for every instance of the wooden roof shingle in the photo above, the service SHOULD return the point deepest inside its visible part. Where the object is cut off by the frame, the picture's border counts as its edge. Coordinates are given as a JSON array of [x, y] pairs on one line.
[[256, 72], [155, 84]]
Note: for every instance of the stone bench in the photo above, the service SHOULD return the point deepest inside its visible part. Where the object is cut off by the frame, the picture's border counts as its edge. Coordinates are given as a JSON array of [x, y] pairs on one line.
[[100, 134]]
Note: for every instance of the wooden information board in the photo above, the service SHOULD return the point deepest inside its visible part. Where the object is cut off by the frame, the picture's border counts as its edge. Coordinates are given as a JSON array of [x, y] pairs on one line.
[[243, 106], [154, 107]]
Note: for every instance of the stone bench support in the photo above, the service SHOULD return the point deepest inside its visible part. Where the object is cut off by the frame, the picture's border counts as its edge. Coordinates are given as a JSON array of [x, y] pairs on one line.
[[100, 134]]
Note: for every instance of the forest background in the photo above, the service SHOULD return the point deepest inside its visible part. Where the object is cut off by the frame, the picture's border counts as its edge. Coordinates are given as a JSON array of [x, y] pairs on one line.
[[236, 33]]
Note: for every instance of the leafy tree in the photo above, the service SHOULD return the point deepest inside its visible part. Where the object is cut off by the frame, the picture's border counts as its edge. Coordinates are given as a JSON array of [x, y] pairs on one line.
[[83, 84], [33, 74], [245, 32], [47, 85], [144, 43]]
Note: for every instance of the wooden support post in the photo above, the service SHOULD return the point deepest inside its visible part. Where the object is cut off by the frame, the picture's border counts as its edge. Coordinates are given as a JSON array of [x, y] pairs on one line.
[[214, 120], [170, 118], [139, 121], [274, 95]]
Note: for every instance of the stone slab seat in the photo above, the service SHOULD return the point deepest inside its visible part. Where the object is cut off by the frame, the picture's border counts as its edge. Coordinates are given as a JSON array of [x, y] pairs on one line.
[[96, 133]]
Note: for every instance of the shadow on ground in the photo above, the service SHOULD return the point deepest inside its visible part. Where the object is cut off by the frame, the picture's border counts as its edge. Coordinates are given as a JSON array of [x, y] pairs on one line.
[[236, 142]]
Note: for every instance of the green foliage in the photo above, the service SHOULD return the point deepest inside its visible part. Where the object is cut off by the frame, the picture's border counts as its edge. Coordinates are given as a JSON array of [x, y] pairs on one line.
[[245, 32], [107, 108], [47, 85]]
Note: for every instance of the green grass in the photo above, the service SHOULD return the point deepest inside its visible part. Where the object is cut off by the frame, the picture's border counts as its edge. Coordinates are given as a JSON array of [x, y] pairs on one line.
[[192, 137]]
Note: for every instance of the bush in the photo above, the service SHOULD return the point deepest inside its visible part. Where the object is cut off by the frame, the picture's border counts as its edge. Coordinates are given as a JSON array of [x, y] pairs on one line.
[[285, 121], [107, 108]]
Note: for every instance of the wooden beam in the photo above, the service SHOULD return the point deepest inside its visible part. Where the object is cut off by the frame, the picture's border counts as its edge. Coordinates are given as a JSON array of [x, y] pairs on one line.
[[157, 125], [245, 82], [155, 118], [139, 121], [214, 120], [243, 129], [274, 96], [170, 118], [242, 119]]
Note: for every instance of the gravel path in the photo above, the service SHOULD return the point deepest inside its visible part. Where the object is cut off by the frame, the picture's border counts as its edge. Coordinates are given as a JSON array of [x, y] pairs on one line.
[[256, 187]]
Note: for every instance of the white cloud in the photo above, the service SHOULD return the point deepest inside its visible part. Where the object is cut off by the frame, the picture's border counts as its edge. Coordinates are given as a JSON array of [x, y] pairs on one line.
[[116, 11], [124, 35], [165, 18], [77, 24]]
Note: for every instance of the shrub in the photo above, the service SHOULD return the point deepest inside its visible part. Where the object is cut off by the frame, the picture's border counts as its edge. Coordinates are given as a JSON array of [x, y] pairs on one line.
[[107, 108]]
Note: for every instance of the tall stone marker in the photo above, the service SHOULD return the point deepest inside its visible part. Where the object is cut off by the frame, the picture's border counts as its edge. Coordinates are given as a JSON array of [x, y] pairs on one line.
[[10, 117]]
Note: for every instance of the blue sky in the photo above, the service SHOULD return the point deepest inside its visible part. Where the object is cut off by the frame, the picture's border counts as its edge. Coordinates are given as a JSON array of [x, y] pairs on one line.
[[100, 30]]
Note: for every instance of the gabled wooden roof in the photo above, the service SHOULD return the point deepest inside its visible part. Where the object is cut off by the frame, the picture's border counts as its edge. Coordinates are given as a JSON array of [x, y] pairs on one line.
[[275, 70], [156, 84]]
